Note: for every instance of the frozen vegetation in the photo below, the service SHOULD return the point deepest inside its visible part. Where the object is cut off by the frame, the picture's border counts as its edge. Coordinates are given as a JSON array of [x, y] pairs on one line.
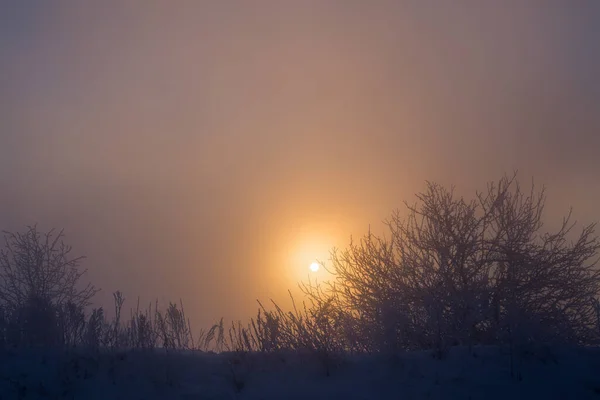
[[461, 300]]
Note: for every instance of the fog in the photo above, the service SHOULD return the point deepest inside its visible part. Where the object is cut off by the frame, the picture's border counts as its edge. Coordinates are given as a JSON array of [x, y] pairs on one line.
[[210, 151]]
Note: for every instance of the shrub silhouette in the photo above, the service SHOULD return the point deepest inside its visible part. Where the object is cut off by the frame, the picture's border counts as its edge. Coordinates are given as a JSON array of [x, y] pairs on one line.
[[467, 272], [39, 289]]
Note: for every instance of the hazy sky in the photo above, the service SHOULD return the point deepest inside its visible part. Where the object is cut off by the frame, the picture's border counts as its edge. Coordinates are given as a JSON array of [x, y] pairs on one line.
[[210, 150]]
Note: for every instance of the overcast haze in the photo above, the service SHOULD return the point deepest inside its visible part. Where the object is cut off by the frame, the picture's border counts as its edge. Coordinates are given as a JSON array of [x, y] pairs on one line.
[[210, 150]]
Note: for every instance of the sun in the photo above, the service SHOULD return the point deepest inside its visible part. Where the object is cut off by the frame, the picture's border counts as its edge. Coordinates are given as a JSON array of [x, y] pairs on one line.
[[314, 267]]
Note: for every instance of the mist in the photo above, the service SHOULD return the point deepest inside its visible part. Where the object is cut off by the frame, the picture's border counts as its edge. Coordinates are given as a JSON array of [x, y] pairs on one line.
[[210, 151]]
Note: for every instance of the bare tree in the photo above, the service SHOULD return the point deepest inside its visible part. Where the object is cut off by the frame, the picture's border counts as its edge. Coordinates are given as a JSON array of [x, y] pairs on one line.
[[36, 265], [454, 271]]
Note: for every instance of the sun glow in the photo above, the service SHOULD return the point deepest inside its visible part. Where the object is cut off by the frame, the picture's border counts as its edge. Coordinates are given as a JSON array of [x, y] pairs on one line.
[[305, 249]]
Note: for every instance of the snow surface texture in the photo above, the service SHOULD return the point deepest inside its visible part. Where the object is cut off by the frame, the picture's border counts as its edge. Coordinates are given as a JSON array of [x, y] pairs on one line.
[[482, 373]]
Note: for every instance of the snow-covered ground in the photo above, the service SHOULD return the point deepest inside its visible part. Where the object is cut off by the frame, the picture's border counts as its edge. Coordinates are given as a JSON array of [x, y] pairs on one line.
[[483, 373]]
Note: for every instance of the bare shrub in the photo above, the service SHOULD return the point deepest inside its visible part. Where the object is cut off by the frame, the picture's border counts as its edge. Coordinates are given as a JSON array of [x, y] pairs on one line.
[[464, 272], [39, 265], [40, 291]]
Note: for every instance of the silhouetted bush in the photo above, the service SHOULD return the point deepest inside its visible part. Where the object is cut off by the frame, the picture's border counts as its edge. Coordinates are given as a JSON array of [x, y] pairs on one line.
[[458, 272], [40, 290]]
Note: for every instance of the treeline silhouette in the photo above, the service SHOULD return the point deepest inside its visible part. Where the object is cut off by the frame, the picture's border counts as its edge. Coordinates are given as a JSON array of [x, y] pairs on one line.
[[449, 272]]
